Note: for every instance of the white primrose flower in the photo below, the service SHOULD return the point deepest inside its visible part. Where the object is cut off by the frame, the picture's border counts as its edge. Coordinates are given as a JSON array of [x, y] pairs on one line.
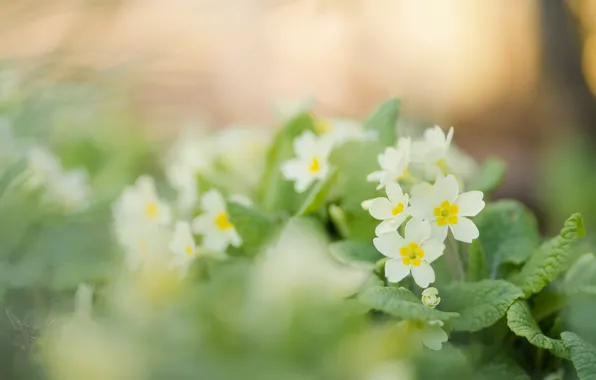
[[140, 203], [394, 164], [214, 224], [414, 253], [392, 211], [430, 297], [311, 162], [338, 131], [183, 246], [428, 333], [446, 209]]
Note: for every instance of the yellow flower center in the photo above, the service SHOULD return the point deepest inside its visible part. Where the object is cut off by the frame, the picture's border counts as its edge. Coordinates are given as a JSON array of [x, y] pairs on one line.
[[404, 176], [189, 251], [323, 126], [398, 209], [446, 213], [151, 210], [314, 165], [222, 222], [411, 254], [442, 164]]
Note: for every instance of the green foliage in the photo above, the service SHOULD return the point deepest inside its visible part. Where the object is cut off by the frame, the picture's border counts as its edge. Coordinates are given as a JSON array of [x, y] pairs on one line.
[[583, 355], [522, 323], [384, 121], [318, 194], [551, 259], [477, 269], [255, 228], [489, 176], [400, 302], [480, 304], [355, 253], [502, 367]]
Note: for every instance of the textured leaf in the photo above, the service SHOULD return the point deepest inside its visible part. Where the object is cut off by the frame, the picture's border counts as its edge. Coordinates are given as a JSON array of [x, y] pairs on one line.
[[384, 121], [489, 176], [522, 323], [502, 367], [480, 304], [477, 269], [508, 233], [400, 302], [275, 192], [254, 227], [318, 193], [583, 355], [551, 259], [355, 253]]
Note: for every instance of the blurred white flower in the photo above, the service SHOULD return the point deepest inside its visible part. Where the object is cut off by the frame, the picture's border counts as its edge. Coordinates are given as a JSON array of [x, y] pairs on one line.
[[428, 333], [430, 297], [394, 164], [311, 162], [183, 246], [414, 253], [392, 211], [338, 131], [214, 224], [140, 203], [447, 209]]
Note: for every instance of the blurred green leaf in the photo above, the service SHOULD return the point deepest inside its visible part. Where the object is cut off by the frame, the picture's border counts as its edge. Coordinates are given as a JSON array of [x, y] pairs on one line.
[[400, 302], [477, 269], [254, 227], [355, 253], [318, 193], [522, 323], [384, 121], [583, 355], [508, 234], [489, 175], [502, 367], [480, 304], [550, 259]]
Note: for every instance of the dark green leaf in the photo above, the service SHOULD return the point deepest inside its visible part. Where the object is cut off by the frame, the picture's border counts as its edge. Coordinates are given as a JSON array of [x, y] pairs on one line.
[[583, 355], [489, 175], [477, 269]]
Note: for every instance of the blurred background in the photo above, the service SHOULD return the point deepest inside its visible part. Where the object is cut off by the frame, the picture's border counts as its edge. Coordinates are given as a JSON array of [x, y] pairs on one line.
[[513, 77]]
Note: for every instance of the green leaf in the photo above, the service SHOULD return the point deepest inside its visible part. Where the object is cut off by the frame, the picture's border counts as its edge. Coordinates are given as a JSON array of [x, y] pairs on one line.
[[254, 227], [551, 259], [384, 121], [402, 303], [480, 304], [318, 193], [508, 233], [489, 175], [275, 193], [583, 355], [502, 367], [581, 276], [522, 323], [477, 269], [355, 253]]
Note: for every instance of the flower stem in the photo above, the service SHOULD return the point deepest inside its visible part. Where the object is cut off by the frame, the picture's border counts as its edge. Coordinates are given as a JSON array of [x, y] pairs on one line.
[[453, 259]]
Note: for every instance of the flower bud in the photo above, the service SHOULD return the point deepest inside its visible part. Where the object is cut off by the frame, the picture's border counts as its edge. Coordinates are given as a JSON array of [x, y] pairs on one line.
[[430, 297]]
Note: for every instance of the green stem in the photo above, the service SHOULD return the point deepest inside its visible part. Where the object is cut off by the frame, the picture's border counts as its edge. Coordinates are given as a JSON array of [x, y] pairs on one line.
[[453, 259]]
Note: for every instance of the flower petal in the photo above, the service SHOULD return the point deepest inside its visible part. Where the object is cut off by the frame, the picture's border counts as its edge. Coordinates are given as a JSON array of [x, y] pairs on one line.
[[380, 208], [446, 189], [470, 203], [305, 144], [394, 192], [422, 207], [417, 230], [386, 226], [433, 337], [212, 201], [396, 270], [293, 169], [389, 244], [465, 230], [422, 189], [423, 274], [215, 241], [303, 183], [433, 249], [203, 224], [438, 233], [375, 176]]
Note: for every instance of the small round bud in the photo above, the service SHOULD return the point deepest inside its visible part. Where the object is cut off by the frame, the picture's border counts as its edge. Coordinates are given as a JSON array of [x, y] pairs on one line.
[[430, 297]]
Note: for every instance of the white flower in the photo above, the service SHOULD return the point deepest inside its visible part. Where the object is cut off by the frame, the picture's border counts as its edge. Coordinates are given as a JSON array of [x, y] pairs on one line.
[[394, 164], [338, 131], [311, 162], [141, 204], [428, 333], [430, 297], [392, 210], [447, 209], [214, 224], [183, 246], [414, 253]]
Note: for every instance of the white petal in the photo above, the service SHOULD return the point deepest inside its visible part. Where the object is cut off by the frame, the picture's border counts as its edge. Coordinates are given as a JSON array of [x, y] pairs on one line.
[[305, 144], [465, 230], [470, 203], [423, 189], [417, 230], [396, 270], [423, 274], [394, 192], [212, 201], [389, 244], [215, 241], [422, 207], [446, 189], [235, 239], [375, 176], [380, 209], [203, 224], [433, 249], [386, 226], [303, 183], [433, 337], [437, 232], [292, 169], [449, 137]]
